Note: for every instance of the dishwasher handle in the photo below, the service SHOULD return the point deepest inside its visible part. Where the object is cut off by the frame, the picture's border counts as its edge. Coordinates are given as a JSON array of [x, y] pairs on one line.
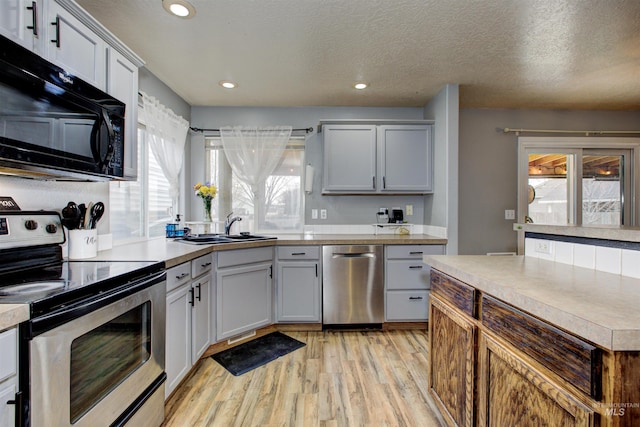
[[354, 255]]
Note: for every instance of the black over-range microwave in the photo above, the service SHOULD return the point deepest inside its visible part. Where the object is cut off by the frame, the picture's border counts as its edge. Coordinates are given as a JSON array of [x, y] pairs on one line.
[[54, 125]]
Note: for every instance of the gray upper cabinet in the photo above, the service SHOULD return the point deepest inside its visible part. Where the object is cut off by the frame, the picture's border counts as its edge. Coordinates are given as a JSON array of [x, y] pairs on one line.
[[349, 159], [405, 159], [377, 159]]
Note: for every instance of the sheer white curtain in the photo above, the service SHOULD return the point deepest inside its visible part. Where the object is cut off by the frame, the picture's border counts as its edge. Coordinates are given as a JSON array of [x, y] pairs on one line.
[[254, 153], [167, 136]]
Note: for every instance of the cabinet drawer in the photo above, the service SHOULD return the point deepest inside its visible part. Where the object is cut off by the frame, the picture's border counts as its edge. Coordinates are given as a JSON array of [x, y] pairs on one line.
[[201, 265], [407, 305], [299, 252], [456, 293], [178, 275], [8, 351], [573, 359], [412, 251], [244, 256], [407, 274]]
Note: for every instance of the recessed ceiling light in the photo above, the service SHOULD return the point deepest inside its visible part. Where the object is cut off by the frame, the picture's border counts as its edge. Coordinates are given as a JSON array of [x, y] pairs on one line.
[[179, 8], [360, 85], [227, 84]]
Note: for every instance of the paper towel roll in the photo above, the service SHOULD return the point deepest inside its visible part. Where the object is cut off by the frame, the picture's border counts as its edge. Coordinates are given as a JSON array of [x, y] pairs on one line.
[[308, 179]]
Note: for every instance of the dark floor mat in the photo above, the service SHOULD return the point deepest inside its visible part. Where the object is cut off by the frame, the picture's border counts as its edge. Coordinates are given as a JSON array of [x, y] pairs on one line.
[[257, 352]]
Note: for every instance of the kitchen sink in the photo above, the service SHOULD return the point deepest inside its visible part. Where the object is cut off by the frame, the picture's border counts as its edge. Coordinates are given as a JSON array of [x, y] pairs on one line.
[[246, 237], [210, 239]]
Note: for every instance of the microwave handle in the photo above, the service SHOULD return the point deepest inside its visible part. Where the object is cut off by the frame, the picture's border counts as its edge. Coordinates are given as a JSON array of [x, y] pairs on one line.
[[103, 159]]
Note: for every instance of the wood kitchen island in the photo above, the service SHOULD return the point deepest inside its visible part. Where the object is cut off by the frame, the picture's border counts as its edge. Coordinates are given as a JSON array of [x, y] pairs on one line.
[[525, 341]]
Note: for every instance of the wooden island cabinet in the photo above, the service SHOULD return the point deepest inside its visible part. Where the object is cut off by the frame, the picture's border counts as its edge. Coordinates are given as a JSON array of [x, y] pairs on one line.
[[492, 364]]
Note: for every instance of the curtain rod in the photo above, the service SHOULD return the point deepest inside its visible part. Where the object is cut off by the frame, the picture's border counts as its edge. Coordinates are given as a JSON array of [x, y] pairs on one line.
[[305, 130], [586, 132]]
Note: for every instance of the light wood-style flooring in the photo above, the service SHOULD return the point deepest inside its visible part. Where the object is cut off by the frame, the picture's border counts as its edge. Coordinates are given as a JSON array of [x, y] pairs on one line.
[[346, 378]]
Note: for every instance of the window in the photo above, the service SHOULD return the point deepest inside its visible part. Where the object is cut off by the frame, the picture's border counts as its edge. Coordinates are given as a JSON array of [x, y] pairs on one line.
[[140, 209], [583, 181], [278, 204]]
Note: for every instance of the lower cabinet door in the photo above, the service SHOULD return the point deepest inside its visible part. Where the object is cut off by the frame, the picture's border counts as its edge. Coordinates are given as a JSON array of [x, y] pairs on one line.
[[452, 359], [178, 339], [299, 294], [243, 299], [513, 393], [200, 317], [7, 411]]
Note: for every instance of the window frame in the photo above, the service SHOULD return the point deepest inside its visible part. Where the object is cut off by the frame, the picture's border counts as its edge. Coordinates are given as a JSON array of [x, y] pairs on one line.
[[576, 146]]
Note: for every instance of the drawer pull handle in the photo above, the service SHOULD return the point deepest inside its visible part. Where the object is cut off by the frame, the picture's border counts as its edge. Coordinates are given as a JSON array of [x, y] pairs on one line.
[[416, 266], [56, 23], [34, 16], [416, 253], [299, 253], [182, 276], [415, 298], [206, 264]]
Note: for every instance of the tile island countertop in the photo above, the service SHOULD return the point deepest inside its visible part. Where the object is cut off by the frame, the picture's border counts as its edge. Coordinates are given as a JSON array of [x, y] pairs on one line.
[[600, 307]]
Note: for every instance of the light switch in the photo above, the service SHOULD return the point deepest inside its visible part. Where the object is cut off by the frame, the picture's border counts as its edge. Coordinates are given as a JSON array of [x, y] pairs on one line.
[[314, 213], [509, 214]]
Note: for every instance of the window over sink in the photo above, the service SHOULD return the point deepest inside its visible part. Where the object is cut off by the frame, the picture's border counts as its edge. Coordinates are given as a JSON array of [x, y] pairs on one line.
[[280, 196]]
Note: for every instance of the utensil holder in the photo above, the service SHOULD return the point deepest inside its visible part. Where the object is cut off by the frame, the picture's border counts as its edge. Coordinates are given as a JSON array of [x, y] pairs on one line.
[[83, 244]]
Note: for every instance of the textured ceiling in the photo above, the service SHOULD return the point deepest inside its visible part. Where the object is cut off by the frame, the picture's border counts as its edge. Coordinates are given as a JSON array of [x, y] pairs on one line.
[[574, 54]]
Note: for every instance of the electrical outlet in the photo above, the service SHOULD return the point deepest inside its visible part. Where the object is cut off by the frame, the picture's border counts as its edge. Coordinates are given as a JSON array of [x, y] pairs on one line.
[[543, 247], [323, 214], [409, 210], [509, 214], [314, 213]]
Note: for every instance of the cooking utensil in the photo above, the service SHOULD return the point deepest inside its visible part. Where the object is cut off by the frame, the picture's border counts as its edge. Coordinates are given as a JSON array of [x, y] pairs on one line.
[[87, 216], [83, 212], [71, 216], [96, 213]]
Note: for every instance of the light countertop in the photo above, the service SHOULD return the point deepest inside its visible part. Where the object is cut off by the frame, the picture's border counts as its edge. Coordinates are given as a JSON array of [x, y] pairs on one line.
[[600, 307], [174, 252], [613, 232], [12, 314]]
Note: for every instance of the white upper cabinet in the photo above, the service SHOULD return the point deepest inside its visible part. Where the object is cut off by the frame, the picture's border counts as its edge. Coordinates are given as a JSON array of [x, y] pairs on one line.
[[21, 21], [122, 83], [74, 46], [377, 159]]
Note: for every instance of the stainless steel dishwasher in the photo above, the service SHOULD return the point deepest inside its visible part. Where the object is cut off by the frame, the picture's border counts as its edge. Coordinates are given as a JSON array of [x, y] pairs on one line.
[[352, 285]]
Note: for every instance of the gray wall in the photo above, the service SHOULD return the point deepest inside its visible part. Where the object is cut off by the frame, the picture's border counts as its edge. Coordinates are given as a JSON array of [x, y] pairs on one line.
[[488, 167], [442, 208], [340, 209], [151, 85]]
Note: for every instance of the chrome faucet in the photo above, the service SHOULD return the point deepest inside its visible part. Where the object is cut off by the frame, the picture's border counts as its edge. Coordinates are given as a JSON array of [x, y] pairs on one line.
[[229, 222]]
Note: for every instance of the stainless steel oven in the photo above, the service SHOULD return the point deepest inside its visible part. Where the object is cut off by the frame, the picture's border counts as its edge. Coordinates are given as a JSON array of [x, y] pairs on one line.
[[93, 351], [87, 370]]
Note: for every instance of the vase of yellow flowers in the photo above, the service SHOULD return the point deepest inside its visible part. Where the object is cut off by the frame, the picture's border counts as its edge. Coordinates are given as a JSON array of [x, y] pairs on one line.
[[207, 192]]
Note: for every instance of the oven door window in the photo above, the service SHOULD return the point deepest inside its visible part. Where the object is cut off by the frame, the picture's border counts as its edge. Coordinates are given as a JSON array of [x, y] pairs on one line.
[[104, 357]]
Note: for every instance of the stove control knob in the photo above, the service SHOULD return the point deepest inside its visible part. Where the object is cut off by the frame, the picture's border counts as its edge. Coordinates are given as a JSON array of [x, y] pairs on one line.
[[51, 228], [30, 224]]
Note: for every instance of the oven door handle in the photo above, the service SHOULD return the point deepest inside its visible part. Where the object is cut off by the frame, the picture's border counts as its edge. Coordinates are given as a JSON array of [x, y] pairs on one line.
[[70, 312]]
